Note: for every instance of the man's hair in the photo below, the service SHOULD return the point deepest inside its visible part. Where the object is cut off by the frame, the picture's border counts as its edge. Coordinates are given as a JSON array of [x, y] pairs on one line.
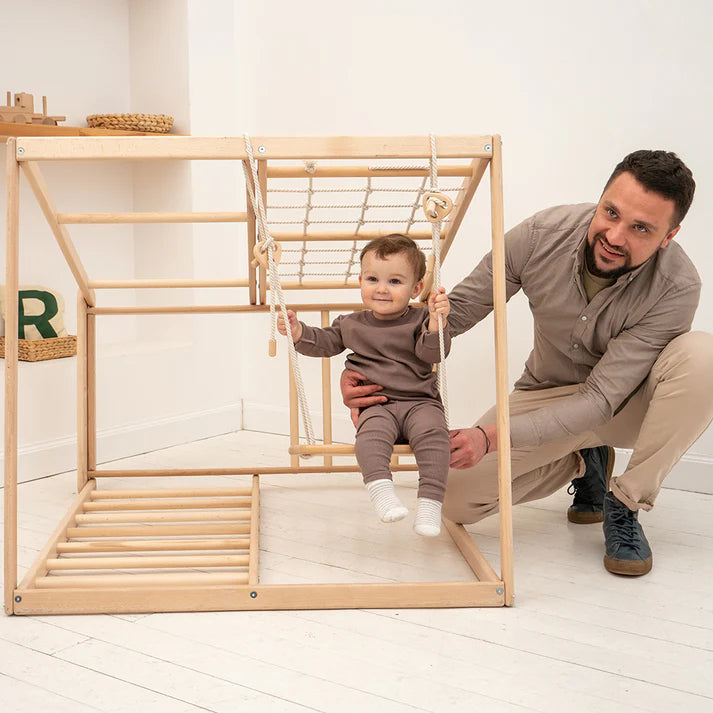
[[661, 172], [396, 243]]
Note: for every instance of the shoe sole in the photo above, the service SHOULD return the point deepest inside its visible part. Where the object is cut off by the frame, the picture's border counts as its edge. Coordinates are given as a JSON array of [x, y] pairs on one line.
[[590, 518], [584, 518], [631, 568]]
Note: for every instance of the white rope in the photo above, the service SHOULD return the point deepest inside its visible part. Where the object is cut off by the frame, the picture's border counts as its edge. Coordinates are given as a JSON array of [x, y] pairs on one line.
[[275, 286], [436, 233]]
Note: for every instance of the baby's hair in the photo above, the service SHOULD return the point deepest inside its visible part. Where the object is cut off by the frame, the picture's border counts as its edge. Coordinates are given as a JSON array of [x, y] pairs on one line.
[[392, 245]]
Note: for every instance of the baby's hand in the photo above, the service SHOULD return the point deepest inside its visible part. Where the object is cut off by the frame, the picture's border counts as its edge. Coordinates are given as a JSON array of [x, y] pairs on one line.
[[438, 304], [295, 325]]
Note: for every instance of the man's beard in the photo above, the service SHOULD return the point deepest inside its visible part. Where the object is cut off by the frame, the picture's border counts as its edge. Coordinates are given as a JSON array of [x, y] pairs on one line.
[[592, 264]]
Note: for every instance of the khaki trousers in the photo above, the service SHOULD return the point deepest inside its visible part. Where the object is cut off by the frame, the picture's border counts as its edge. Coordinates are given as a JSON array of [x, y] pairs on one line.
[[673, 407]]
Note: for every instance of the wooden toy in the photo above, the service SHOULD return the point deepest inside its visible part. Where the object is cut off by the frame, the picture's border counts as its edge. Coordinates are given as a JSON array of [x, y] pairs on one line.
[[21, 110]]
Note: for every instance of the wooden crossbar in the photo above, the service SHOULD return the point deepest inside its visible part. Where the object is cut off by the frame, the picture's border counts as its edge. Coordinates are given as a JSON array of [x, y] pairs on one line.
[[112, 218]]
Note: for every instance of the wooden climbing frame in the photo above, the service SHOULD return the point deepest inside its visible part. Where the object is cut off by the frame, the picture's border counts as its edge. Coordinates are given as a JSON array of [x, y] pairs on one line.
[[192, 549]]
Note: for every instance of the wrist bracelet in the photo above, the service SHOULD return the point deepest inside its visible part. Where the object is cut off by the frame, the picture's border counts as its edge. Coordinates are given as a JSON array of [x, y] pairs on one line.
[[487, 440]]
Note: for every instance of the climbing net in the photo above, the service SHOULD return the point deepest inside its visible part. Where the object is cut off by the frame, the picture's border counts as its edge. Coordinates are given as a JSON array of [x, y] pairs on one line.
[[372, 203]]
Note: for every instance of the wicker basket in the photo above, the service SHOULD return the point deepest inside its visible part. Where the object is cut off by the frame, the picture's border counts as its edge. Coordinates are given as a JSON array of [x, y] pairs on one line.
[[154, 123], [41, 349]]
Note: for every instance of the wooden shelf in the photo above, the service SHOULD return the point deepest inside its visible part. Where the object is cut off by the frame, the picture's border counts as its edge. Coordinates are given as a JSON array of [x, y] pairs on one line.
[[8, 128]]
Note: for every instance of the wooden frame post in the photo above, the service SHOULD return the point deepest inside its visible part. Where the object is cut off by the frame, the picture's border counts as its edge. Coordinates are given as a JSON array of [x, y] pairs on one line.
[[12, 253], [501, 377]]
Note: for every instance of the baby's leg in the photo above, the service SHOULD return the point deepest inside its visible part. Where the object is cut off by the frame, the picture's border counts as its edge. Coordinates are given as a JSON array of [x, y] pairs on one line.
[[376, 434], [425, 427]]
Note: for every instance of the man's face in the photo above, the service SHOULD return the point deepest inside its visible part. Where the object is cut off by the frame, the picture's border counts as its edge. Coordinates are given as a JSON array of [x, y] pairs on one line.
[[629, 226]]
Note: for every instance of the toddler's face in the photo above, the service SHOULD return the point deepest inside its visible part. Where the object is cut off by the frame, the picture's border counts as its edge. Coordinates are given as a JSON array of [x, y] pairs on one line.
[[388, 284]]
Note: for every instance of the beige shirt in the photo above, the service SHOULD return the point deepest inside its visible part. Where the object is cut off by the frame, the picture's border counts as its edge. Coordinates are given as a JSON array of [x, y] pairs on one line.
[[608, 344]]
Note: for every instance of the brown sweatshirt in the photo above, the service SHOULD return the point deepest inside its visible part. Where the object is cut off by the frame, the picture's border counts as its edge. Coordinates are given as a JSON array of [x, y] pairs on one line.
[[396, 353]]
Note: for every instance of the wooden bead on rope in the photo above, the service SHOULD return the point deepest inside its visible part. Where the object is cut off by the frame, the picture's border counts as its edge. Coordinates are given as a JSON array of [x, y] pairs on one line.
[[436, 206], [260, 254]]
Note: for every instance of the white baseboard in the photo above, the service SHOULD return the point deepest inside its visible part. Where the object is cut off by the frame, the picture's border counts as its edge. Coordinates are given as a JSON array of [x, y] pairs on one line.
[[47, 458]]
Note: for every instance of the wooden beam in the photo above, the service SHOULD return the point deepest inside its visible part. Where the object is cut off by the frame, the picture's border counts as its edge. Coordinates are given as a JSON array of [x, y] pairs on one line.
[[233, 148], [163, 284], [115, 218], [501, 370], [41, 191], [12, 259]]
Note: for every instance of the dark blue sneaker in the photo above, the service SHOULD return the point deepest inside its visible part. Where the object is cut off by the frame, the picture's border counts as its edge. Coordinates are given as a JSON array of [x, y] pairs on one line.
[[589, 490], [627, 549]]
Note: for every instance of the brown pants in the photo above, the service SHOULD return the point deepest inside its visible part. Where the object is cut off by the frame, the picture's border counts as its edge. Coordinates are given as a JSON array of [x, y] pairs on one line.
[[423, 424], [673, 407]]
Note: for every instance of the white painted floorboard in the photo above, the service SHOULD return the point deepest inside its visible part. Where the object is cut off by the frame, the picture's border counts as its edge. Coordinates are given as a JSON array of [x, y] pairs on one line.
[[578, 638]]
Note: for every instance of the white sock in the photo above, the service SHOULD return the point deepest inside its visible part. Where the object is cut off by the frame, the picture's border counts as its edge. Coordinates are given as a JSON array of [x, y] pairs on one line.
[[428, 517], [388, 507]]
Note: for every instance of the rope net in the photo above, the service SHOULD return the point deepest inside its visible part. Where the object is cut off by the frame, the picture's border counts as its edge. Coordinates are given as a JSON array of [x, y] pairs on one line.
[[348, 205]]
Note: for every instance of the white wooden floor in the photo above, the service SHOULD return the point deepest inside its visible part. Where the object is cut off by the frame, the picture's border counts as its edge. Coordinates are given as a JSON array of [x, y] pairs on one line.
[[578, 638]]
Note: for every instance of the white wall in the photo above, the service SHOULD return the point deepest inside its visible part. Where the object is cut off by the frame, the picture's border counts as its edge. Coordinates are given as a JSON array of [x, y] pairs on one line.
[[572, 88], [155, 375]]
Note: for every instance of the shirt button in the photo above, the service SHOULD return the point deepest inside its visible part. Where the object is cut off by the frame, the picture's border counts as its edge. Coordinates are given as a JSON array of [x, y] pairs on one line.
[[575, 346], [584, 318]]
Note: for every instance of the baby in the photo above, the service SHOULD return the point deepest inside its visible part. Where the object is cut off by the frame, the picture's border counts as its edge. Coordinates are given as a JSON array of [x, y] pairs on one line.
[[396, 345]]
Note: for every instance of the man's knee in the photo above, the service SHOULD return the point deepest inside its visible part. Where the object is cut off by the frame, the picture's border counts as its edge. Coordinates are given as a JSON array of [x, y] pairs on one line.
[[691, 356]]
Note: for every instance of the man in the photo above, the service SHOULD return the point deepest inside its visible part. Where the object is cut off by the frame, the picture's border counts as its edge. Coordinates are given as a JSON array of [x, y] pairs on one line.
[[613, 363]]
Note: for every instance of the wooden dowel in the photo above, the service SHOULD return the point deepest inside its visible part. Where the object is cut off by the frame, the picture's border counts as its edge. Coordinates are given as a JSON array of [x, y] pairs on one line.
[[161, 284], [170, 562], [361, 171], [339, 449], [326, 396], [88, 531], [170, 217], [38, 569], [177, 516], [242, 543], [252, 239], [294, 417], [262, 272], [319, 284], [171, 493], [166, 504], [41, 191], [254, 552], [342, 235], [167, 579], [267, 470], [82, 420], [12, 253], [472, 555], [226, 309], [91, 391], [501, 376]]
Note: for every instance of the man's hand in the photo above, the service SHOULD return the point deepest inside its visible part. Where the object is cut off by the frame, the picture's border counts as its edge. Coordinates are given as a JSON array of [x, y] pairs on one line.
[[357, 395], [468, 446]]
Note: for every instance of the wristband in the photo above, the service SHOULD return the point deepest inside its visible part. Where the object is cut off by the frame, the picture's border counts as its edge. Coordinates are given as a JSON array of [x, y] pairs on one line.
[[487, 440]]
